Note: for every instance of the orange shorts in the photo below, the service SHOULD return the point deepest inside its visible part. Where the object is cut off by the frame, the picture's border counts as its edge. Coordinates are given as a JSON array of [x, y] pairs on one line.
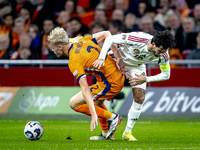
[[107, 90]]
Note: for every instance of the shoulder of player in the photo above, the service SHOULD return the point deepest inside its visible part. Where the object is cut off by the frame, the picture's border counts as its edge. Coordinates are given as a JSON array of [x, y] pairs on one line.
[[165, 57]]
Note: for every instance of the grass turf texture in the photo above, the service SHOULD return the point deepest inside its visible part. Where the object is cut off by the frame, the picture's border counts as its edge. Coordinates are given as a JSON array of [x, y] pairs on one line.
[[151, 135]]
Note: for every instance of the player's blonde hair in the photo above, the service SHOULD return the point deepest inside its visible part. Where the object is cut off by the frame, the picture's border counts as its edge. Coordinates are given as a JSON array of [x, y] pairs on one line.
[[58, 36]]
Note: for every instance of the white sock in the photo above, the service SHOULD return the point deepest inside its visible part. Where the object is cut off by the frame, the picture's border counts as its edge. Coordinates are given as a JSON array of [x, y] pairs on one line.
[[133, 115], [112, 117], [104, 134]]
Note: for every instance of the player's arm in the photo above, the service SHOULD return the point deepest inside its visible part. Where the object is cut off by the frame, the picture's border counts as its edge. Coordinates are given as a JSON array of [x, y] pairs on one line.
[[110, 41], [101, 36], [89, 100], [164, 75]]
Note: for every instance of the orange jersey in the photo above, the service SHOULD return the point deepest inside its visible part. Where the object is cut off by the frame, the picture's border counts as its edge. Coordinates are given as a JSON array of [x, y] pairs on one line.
[[109, 79]]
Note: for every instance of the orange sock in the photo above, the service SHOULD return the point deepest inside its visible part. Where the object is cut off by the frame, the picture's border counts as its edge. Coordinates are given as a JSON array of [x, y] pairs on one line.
[[101, 113], [102, 121]]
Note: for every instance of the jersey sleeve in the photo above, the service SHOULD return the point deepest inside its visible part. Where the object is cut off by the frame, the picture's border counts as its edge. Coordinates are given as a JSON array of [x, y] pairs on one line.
[[114, 39], [91, 37], [77, 70], [164, 62], [165, 70]]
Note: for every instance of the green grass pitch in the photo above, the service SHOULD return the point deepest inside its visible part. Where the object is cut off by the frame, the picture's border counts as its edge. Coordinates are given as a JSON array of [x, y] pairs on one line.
[[150, 134]]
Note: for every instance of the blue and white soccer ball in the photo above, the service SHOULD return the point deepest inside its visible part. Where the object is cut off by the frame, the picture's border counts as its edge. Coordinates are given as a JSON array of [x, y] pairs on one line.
[[33, 130]]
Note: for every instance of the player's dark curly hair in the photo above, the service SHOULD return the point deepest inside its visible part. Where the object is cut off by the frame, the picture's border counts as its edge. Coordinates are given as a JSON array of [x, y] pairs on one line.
[[164, 39]]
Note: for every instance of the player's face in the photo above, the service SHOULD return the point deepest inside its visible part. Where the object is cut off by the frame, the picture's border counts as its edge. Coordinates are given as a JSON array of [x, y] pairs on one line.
[[56, 49], [158, 51]]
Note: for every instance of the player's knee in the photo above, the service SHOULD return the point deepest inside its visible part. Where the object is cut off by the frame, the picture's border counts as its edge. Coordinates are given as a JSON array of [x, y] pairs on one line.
[[139, 100], [72, 104]]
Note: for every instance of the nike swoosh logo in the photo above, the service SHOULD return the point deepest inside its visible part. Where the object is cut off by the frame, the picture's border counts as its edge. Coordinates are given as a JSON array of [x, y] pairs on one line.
[[6, 97]]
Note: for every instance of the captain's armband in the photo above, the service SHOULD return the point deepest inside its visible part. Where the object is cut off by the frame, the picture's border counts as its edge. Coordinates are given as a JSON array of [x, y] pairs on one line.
[[164, 67]]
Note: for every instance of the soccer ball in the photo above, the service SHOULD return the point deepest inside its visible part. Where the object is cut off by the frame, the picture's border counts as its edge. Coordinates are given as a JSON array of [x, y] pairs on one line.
[[33, 130]]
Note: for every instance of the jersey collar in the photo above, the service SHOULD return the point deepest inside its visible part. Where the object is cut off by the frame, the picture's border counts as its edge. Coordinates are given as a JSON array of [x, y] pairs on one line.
[[70, 48]]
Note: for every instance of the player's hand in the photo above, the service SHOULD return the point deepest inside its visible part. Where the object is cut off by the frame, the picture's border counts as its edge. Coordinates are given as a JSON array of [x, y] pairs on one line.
[[94, 122], [139, 79], [98, 63], [121, 66]]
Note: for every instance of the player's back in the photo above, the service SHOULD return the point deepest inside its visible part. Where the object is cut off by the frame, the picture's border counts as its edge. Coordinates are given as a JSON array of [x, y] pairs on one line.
[[84, 52]]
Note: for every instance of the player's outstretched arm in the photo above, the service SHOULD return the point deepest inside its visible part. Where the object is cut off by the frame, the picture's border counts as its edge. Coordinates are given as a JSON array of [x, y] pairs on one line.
[[89, 100]]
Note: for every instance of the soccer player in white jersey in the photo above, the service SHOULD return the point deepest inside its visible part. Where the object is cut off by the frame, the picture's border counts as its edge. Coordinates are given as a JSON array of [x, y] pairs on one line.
[[139, 48]]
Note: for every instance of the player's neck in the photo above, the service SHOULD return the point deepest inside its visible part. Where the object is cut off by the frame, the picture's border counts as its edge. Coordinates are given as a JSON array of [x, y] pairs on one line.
[[65, 49]]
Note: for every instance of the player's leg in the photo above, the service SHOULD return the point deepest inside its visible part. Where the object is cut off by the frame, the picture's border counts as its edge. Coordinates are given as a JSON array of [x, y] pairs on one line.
[[103, 124], [78, 104], [135, 109], [134, 112]]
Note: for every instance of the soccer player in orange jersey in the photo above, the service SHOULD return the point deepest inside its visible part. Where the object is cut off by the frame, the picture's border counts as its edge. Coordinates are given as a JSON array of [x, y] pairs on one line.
[[82, 52]]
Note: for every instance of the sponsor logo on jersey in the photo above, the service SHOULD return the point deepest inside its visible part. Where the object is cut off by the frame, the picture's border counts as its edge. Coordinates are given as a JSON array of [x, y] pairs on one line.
[[136, 51], [75, 72], [123, 36]]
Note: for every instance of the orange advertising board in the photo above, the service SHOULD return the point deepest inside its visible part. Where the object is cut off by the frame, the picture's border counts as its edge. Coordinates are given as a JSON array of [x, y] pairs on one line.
[[6, 96]]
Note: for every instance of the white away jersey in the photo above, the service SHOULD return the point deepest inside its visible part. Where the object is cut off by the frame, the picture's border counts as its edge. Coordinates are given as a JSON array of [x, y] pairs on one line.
[[134, 49]]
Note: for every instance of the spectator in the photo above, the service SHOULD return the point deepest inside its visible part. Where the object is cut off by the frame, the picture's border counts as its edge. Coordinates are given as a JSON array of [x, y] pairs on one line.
[[100, 16], [8, 24], [33, 31], [19, 27], [25, 41], [63, 18], [172, 4], [77, 27], [25, 53], [26, 15], [5, 7], [120, 4], [97, 27], [108, 6], [186, 37], [163, 13], [118, 14], [130, 23], [4, 44], [146, 25], [151, 12], [195, 53], [41, 12], [182, 8], [84, 12], [69, 29], [48, 25], [142, 6], [70, 7], [18, 6], [173, 23], [115, 27], [197, 15]]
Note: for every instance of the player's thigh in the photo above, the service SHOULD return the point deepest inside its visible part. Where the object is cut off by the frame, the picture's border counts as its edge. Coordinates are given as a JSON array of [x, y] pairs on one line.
[[138, 94], [101, 91], [77, 100], [140, 70]]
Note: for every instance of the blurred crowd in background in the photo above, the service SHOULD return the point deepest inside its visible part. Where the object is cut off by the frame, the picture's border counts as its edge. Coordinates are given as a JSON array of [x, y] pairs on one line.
[[25, 24]]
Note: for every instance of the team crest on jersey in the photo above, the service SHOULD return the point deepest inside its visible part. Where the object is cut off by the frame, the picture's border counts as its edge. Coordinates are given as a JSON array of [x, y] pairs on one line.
[[136, 51], [79, 45], [151, 58], [123, 36]]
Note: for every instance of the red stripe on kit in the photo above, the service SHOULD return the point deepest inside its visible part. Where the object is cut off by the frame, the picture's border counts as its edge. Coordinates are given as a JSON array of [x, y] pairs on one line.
[[137, 39]]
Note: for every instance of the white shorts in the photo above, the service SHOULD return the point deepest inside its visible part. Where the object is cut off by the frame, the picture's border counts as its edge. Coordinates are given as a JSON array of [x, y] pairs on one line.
[[140, 70]]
